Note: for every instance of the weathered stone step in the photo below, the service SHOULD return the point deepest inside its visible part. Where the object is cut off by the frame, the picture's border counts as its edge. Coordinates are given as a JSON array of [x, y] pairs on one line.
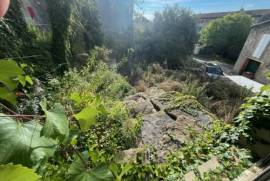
[[252, 173], [212, 164]]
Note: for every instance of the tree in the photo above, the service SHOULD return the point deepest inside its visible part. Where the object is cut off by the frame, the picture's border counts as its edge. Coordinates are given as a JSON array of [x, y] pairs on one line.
[[73, 21], [60, 13], [227, 35], [86, 25], [171, 37]]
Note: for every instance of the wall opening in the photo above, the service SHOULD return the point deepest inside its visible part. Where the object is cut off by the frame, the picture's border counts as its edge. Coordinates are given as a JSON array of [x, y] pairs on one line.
[[250, 68]]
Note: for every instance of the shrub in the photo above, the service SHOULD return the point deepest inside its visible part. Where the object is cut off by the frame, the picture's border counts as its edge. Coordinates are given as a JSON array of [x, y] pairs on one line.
[[170, 39], [223, 89], [154, 74], [195, 88], [227, 35], [170, 85], [256, 111], [95, 78]]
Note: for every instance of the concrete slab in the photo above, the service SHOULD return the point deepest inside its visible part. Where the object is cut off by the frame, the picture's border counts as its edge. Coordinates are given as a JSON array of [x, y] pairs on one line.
[[245, 82]]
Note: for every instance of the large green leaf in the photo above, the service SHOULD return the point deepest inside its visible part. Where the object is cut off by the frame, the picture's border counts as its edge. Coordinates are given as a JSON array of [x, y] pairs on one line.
[[79, 172], [87, 117], [20, 143], [7, 95], [57, 123], [17, 173], [8, 71]]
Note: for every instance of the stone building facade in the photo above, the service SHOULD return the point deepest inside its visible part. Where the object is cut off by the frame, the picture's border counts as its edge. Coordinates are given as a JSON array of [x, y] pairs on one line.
[[254, 60]]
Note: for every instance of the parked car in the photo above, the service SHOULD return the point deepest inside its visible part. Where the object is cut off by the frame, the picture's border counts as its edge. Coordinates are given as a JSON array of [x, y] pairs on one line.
[[213, 71]]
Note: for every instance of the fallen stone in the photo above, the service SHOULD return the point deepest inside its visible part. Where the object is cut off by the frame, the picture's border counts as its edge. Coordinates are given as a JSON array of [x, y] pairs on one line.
[[129, 156], [153, 126], [212, 164], [164, 133], [139, 104], [136, 96], [190, 176]]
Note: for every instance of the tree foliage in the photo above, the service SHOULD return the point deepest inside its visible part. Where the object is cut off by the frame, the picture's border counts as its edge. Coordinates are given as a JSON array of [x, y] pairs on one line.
[[85, 27], [60, 14], [170, 38], [227, 35], [69, 21]]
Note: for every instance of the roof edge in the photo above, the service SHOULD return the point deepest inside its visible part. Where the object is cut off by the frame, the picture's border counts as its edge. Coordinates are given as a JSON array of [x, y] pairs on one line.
[[261, 23]]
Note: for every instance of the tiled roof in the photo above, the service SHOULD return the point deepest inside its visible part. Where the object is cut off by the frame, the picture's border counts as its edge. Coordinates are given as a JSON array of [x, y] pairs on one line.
[[254, 13], [261, 24]]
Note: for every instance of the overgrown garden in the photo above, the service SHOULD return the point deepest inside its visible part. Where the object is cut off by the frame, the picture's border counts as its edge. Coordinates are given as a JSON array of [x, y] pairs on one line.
[[65, 119]]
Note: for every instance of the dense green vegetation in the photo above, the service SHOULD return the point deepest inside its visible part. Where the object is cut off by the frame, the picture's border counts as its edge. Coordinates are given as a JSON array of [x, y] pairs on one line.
[[93, 125], [74, 124], [227, 35], [168, 39]]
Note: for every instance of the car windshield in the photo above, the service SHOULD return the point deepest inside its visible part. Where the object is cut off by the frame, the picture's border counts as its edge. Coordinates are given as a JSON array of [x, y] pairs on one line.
[[213, 70]]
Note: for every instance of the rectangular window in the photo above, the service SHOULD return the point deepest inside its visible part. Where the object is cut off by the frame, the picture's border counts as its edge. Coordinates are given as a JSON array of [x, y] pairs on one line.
[[261, 46]]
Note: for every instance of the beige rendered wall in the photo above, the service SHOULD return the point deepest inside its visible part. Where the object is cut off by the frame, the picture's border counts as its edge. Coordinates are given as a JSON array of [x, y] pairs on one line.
[[251, 44]]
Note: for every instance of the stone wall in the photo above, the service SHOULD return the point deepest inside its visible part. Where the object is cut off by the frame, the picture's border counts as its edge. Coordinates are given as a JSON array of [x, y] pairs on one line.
[[251, 44]]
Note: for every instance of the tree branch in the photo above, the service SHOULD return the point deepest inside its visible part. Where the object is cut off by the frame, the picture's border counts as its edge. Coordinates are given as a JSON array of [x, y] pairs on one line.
[[17, 115], [80, 157]]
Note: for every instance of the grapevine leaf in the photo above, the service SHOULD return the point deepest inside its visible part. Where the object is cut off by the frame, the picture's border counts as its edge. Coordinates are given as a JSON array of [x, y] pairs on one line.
[[8, 71], [11, 172], [87, 117], [7, 95], [57, 123], [29, 80], [75, 96], [20, 143], [79, 172], [22, 80]]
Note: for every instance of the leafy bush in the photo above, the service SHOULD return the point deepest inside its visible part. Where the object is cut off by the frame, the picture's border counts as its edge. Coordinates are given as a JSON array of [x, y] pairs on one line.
[[96, 78], [221, 89], [11, 77], [58, 146], [170, 39], [256, 111], [98, 89], [195, 88], [227, 35]]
